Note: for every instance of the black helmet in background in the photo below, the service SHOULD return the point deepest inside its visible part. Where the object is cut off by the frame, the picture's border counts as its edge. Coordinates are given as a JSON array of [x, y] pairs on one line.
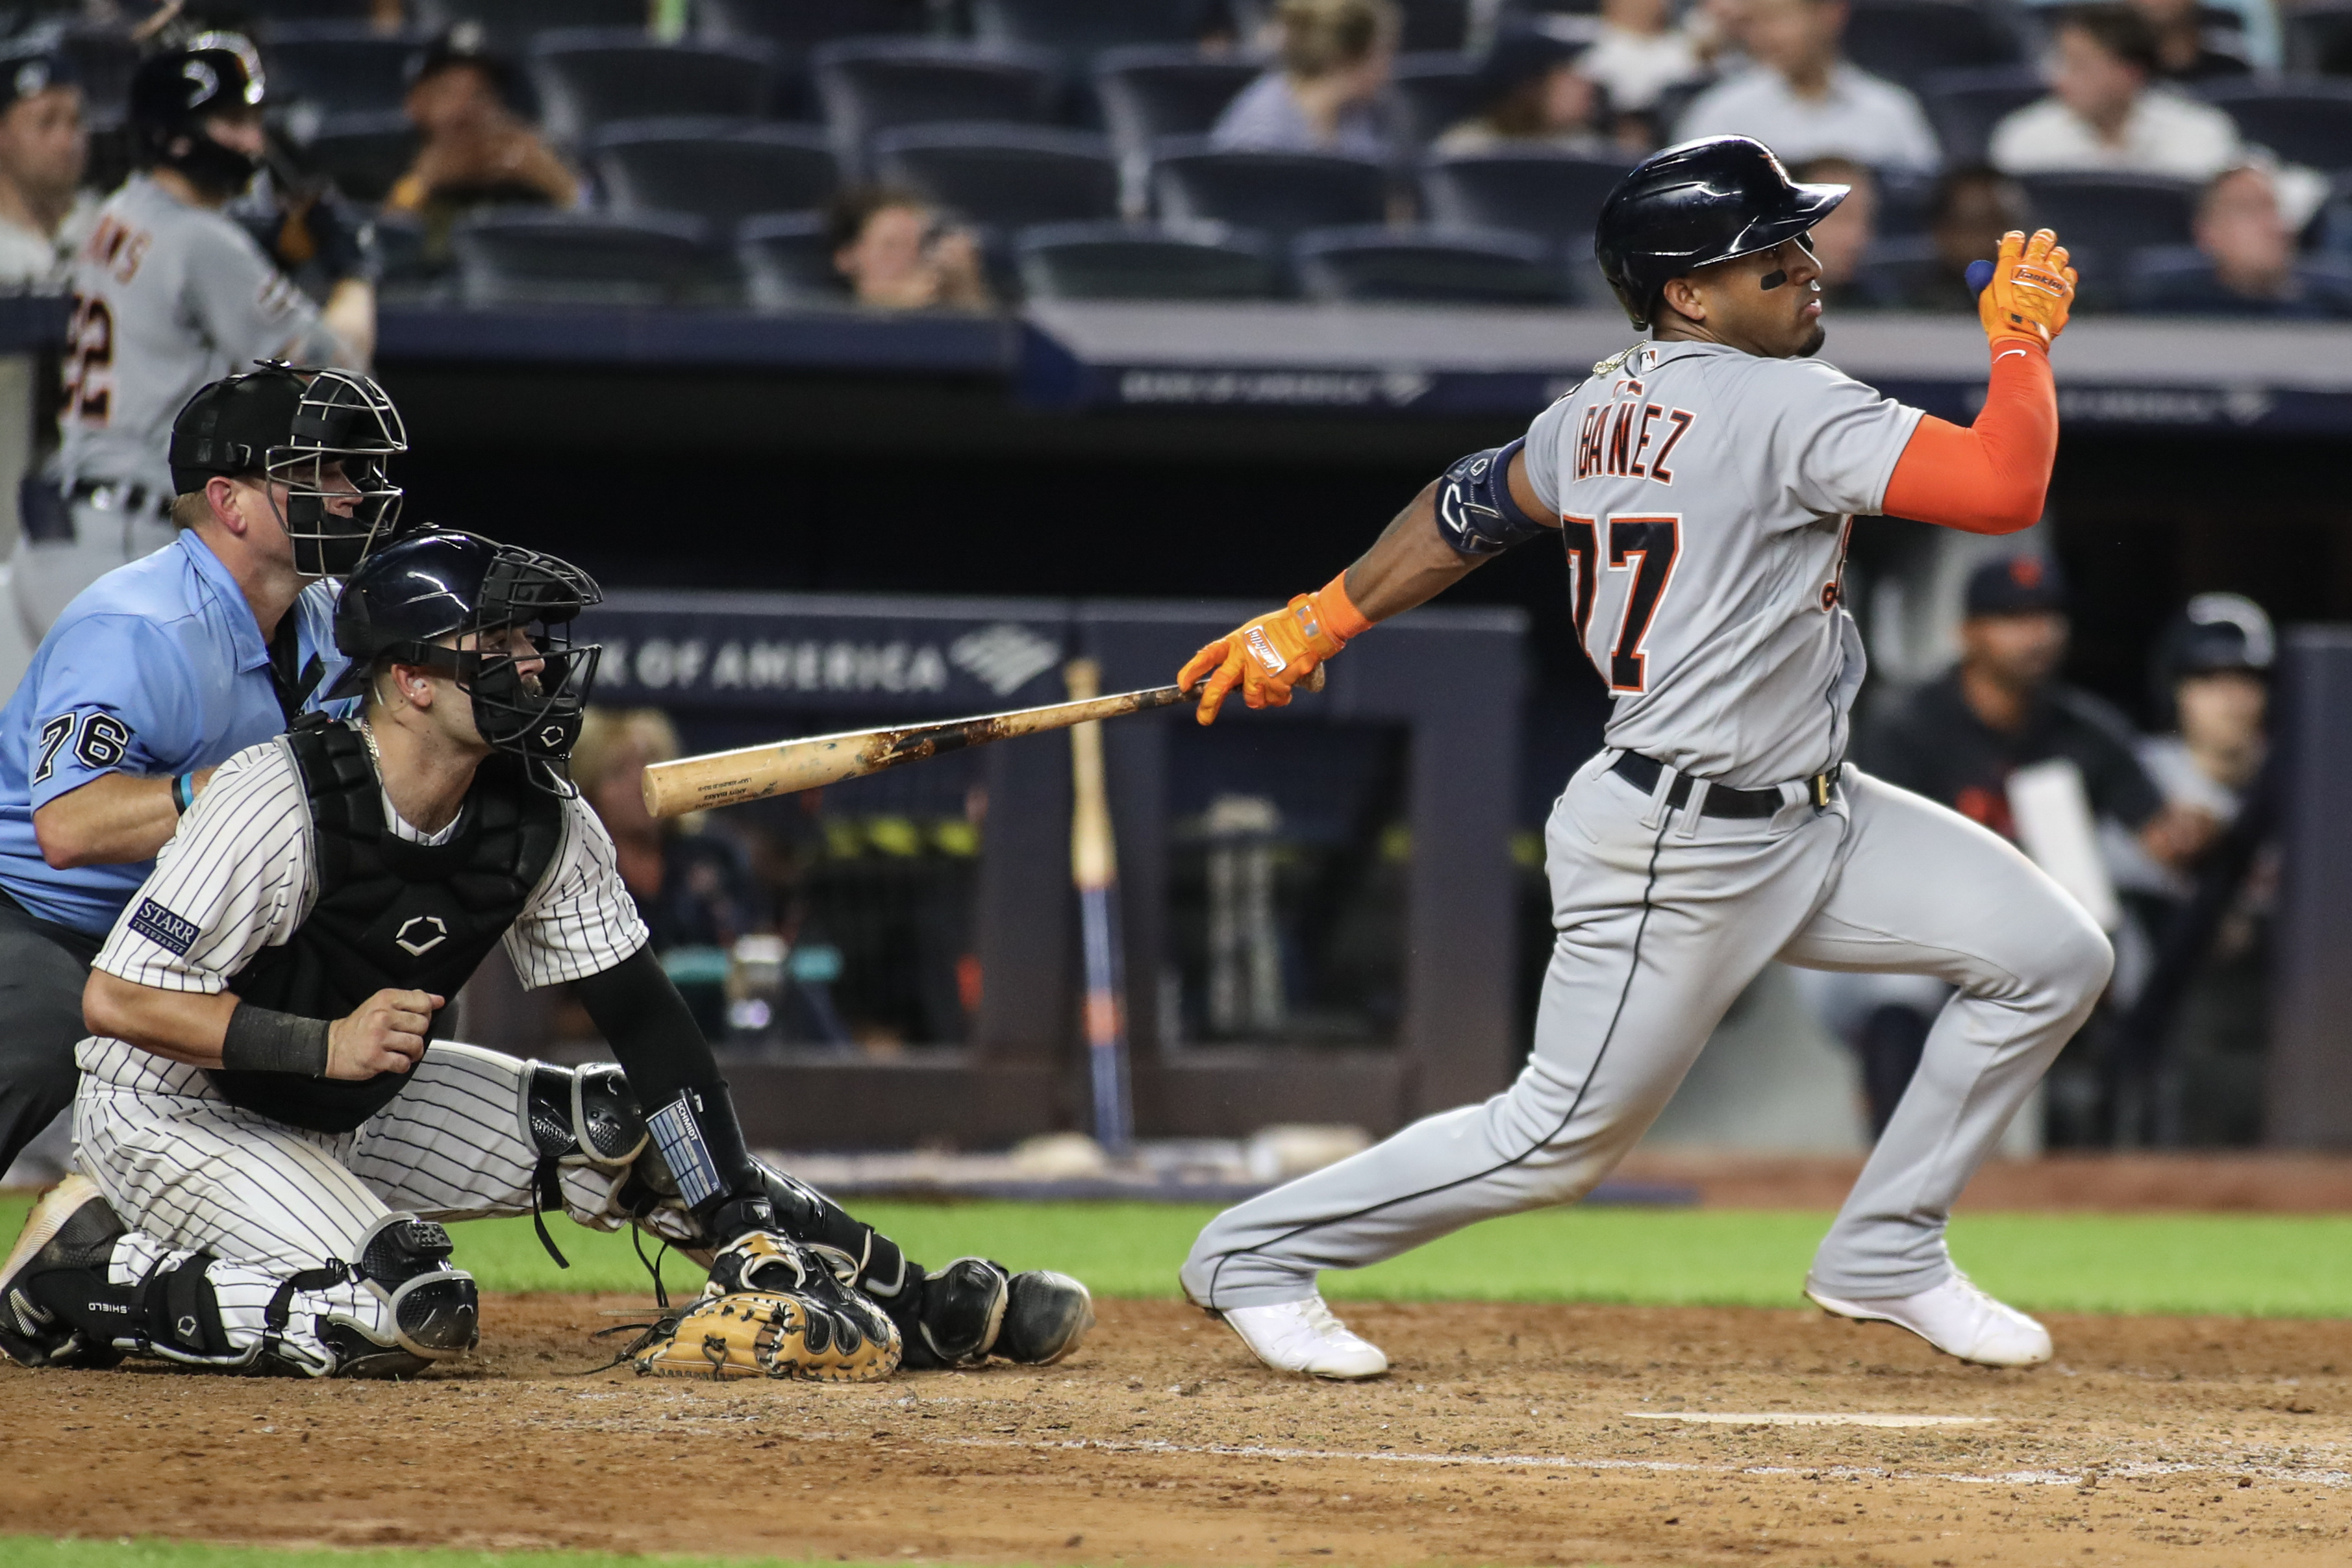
[[434, 598], [1695, 205], [176, 91], [2215, 633]]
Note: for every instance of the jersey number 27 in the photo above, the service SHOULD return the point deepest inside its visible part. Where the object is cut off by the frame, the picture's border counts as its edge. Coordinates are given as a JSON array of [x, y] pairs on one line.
[[1645, 546]]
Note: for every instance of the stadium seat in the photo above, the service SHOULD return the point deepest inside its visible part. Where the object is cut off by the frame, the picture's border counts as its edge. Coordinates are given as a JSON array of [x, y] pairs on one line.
[[1428, 267], [787, 262], [1435, 24], [1432, 93], [1143, 261], [2178, 280], [2319, 37], [590, 77], [1012, 175], [1148, 95], [1555, 197], [1965, 105], [1905, 40], [871, 85], [2305, 121], [2103, 219], [720, 169], [342, 67], [1906, 201], [510, 24], [268, 15], [1080, 29], [798, 24], [573, 259], [1275, 194], [362, 153]]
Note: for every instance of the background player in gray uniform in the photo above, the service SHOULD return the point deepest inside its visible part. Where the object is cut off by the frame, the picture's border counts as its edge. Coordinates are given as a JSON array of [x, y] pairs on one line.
[[169, 294], [1703, 485], [265, 1109]]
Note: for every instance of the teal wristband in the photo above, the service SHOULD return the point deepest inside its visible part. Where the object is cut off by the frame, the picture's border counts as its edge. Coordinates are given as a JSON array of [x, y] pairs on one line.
[[184, 792]]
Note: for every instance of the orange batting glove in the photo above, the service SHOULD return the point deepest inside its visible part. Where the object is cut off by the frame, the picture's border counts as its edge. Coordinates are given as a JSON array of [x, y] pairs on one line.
[[2030, 290], [1268, 656]]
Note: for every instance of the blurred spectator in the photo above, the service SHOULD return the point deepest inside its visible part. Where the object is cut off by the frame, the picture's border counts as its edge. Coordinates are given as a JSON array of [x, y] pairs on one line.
[[896, 253], [1958, 739], [1803, 100], [43, 150], [2250, 267], [2183, 51], [693, 889], [1974, 205], [1639, 54], [477, 150], [1535, 95], [2107, 109], [1842, 240], [1323, 96]]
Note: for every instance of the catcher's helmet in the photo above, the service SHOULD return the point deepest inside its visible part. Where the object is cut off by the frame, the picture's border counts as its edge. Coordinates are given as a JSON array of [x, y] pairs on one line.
[[1695, 205], [292, 426], [175, 91], [429, 598]]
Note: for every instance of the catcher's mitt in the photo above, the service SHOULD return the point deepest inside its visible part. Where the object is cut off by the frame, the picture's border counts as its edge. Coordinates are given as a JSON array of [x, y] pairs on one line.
[[772, 1311]]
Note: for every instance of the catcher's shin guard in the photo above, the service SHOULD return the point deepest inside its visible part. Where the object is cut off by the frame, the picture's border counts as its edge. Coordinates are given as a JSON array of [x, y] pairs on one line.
[[1046, 1316], [64, 1249], [974, 1309]]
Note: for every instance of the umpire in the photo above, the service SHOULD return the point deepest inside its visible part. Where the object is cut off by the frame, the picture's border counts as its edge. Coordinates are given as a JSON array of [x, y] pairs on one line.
[[164, 669]]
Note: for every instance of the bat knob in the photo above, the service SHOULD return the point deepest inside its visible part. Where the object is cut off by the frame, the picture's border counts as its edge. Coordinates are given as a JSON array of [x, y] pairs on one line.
[[1314, 682]]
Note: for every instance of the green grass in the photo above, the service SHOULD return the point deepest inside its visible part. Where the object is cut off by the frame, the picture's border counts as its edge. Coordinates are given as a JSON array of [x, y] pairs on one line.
[[40, 1551], [2260, 1265]]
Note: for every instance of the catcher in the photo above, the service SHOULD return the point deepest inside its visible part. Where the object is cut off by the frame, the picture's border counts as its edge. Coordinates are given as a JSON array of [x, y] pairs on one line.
[[271, 1132]]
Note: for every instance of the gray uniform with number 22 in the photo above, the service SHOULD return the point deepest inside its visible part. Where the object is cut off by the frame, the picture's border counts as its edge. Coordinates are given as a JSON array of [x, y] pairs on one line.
[[1705, 497]]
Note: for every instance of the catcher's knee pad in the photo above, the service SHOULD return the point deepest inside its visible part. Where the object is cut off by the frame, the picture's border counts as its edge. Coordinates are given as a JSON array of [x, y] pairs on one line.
[[428, 1311], [582, 1116]]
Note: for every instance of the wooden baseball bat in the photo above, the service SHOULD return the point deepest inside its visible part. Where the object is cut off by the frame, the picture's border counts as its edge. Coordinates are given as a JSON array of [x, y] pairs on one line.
[[1094, 867], [786, 766]]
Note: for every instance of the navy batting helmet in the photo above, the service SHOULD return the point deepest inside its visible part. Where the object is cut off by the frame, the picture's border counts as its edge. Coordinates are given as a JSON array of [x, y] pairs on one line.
[[175, 91], [1695, 205], [435, 600]]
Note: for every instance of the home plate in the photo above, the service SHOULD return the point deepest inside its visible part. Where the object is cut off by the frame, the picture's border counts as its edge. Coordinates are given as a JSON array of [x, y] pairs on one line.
[[1806, 1418]]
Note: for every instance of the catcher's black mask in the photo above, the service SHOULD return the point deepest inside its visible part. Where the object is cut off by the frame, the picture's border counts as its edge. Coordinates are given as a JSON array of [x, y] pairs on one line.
[[413, 598]]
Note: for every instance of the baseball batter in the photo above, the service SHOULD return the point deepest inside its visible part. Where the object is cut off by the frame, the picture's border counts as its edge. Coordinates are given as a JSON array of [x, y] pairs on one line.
[[169, 293], [271, 1133], [1703, 485]]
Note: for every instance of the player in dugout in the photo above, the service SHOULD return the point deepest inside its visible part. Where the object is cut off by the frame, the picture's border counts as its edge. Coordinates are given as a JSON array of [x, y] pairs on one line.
[[170, 293], [163, 670], [271, 1131], [1703, 485]]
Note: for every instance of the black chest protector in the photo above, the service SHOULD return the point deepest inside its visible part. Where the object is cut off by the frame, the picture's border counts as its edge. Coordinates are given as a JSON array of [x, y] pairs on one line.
[[390, 914]]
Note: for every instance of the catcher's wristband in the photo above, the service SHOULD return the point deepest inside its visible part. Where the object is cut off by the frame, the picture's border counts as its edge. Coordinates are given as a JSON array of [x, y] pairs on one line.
[[261, 1040]]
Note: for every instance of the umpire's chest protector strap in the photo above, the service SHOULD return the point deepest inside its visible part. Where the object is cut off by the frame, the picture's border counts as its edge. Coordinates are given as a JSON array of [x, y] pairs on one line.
[[1477, 513]]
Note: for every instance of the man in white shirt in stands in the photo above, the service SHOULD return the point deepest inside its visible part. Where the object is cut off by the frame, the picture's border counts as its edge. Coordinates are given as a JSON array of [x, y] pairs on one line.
[[2108, 112], [1804, 101], [1638, 54]]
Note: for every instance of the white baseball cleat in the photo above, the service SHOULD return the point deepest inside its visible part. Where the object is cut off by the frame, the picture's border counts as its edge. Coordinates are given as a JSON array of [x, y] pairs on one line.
[[1958, 1319], [1303, 1337]]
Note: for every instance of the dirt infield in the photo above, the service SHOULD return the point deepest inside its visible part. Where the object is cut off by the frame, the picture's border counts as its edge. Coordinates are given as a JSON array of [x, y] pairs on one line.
[[1506, 1435]]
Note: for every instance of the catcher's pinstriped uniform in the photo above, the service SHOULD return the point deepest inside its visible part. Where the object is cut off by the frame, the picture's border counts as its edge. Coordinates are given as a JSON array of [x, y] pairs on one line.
[[167, 297], [1705, 496], [189, 1170]]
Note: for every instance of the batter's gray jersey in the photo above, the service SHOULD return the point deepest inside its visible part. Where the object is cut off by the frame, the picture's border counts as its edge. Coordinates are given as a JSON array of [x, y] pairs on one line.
[[1706, 496], [167, 297]]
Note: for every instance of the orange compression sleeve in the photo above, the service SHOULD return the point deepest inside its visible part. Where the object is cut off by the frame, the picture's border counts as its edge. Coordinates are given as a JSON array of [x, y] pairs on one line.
[[1990, 477]]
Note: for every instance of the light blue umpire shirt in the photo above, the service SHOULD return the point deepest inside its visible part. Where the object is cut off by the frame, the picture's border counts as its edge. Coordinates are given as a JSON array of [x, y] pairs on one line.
[[156, 669]]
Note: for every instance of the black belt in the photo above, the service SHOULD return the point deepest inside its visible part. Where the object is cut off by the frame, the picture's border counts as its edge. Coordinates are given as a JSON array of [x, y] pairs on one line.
[[1722, 800]]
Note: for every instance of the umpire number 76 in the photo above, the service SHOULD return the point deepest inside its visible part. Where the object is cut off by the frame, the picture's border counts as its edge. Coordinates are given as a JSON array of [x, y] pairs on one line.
[[104, 742]]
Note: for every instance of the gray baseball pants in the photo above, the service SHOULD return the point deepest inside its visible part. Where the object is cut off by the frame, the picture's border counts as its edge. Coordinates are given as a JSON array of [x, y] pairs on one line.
[[1662, 919]]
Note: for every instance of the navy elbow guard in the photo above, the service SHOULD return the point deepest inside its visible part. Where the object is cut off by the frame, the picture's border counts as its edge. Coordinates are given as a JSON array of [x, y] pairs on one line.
[[1475, 512]]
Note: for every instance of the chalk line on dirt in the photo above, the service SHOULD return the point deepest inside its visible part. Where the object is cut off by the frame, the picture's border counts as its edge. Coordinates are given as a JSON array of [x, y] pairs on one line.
[[1808, 1418]]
